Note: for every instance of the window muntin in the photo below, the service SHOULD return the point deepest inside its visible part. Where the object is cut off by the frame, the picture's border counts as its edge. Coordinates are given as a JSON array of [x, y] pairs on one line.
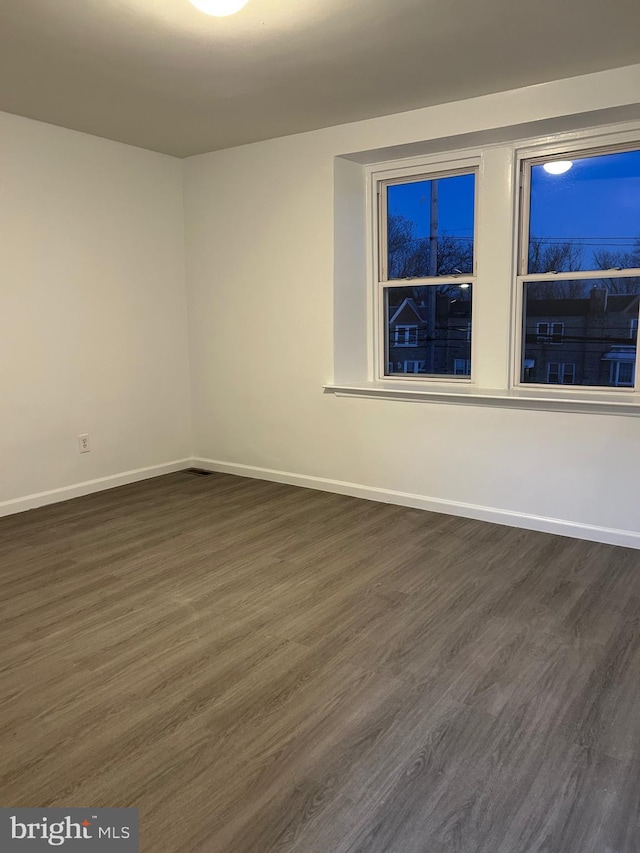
[[579, 281], [426, 236]]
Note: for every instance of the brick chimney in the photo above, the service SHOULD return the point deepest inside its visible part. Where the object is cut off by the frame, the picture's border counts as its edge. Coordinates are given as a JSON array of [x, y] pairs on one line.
[[598, 301]]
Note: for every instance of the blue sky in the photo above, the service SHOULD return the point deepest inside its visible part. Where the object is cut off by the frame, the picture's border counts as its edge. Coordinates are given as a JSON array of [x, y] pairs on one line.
[[455, 198], [598, 199]]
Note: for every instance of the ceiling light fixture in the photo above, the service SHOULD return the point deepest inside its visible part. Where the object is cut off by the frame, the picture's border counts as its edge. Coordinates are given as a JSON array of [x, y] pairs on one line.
[[556, 167], [219, 8]]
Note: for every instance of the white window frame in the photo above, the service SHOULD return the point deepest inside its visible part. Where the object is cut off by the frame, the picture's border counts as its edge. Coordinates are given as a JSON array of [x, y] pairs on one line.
[[424, 169], [565, 147]]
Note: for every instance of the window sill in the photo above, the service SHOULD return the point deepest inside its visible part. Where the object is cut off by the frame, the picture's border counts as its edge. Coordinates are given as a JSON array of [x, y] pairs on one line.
[[595, 402]]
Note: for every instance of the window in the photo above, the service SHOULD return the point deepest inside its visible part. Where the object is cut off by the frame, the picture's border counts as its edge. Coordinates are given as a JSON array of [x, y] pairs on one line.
[[426, 267], [579, 268], [561, 373], [413, 366], [462, 366], [622, 373], [549, 333], [540, 294], [405, 336], [439, 336]]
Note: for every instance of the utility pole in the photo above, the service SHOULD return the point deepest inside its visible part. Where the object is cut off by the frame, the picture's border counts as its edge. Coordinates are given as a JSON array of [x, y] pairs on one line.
[[430, 360]]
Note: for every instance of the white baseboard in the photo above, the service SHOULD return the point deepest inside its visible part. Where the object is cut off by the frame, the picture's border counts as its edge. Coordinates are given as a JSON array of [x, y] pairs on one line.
[[90, 486], [560, 527]]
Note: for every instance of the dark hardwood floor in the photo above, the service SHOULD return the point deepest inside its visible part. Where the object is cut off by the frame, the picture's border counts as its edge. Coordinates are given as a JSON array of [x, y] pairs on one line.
[[262, 668]]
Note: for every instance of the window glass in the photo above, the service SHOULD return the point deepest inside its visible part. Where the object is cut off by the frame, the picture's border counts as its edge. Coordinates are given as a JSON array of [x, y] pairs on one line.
[[585, 213], [430, 227], [427, 330], [580, 332]]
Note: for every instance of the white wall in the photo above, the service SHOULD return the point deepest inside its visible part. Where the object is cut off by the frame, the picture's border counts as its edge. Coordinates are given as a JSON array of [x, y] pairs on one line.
[[93, 325], [260, 275], [93, 331]]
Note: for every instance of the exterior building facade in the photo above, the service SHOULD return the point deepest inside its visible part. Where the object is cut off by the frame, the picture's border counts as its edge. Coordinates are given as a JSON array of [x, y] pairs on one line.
[[589, 340], [430, 339]]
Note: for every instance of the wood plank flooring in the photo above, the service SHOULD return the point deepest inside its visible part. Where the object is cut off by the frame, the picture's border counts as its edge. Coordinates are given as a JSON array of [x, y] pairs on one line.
[[260, 668]]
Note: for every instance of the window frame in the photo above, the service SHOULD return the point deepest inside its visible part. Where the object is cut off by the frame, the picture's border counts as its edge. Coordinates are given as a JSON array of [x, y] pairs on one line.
[[564, 147], [385, 175], [359, 369]]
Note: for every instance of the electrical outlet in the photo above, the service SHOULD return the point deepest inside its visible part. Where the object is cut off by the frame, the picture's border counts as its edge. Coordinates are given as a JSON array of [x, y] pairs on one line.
[[83, 444]]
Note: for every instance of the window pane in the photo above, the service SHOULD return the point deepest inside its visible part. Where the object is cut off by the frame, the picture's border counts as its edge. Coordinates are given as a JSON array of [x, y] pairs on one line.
[[430, 227], [428, 330], [588, 217], [580, 332]]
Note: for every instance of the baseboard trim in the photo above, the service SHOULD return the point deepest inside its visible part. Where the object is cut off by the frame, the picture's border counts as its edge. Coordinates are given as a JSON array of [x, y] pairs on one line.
[[90, 486], [559, 527]]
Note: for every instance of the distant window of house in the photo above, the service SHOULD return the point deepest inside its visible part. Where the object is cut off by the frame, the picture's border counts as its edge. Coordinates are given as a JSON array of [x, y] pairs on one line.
[[413, 366], [426, 271], [405, 336], [462, 366], [579, 268], [549, 333], [622, 373], [561, 373]]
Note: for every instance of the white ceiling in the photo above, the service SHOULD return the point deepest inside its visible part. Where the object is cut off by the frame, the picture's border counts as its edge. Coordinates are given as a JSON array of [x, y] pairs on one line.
[[161, 75]]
